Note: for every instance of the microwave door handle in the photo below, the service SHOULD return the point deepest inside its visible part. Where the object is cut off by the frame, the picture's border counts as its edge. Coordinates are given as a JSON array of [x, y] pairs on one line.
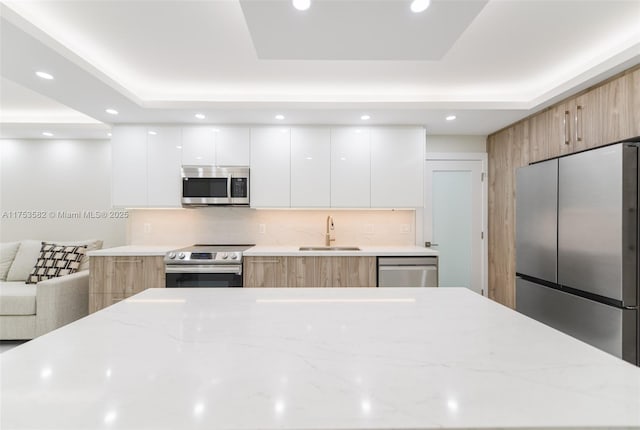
[[229, 187]]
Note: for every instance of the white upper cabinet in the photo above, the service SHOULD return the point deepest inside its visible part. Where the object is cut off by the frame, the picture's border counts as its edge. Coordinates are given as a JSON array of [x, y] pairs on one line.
[[199, 146], [233, 146], [397, 165], [310, 167], [163, 155], [270, 167], [350, 168], [129, 166]]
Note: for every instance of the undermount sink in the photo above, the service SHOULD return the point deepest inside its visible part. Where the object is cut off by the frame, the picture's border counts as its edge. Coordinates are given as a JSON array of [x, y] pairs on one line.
[[329, 248]]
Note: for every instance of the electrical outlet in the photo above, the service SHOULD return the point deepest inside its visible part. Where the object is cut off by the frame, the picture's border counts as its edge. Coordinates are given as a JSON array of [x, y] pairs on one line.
[[404, 228], [147, 227], [368, 228], [262, 228]]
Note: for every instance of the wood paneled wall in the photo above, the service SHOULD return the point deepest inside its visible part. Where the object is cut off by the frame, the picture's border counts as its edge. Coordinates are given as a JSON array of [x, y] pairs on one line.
[[602, 114]]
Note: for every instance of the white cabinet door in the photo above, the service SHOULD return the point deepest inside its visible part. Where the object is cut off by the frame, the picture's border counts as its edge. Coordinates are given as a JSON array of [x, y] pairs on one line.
[[129, 166], [350, 168], [397, 165], [270, 167], [310, 167], [233, 146], [198, 146], [163, 155]]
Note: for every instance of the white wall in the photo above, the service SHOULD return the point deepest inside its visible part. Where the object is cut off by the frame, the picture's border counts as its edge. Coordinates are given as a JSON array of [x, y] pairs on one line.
[[281, 227], [456, 143], [54, 176]]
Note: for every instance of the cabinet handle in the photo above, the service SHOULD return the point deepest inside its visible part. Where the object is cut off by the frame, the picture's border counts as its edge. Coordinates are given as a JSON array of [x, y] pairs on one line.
[[566, 128], [579, 124], [128, 261], [277, 260]]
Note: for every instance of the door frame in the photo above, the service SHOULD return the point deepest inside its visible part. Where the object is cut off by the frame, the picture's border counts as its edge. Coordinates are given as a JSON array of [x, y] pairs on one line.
[[469, 156]]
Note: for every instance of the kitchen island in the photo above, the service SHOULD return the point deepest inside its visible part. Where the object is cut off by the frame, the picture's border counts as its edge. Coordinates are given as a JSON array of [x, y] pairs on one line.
[[313, 358]]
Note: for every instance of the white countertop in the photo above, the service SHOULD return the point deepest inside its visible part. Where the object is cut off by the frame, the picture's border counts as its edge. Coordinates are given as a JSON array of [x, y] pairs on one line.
[[288, 251], [322, 358], [133, 250], [365, 251]]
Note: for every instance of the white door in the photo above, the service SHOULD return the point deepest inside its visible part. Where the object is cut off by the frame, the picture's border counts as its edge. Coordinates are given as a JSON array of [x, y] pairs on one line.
[[454, 220]]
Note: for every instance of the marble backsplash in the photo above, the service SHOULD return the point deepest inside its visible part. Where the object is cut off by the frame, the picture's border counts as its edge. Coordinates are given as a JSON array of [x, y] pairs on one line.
[[270, 227]]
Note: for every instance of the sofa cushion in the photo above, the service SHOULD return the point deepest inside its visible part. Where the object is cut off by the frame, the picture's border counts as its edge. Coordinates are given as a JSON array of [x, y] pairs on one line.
[[26, 258], [55, 261], [92, 245], [7, 254], [29, 251], [16, 298]]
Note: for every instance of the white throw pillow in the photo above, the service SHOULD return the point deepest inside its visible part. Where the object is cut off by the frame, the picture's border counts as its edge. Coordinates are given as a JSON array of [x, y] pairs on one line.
[[25, 260], [92, 245], [7, 254]]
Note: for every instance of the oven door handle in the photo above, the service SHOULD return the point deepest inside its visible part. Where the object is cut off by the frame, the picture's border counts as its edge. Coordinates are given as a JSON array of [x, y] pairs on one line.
[[235, 269]]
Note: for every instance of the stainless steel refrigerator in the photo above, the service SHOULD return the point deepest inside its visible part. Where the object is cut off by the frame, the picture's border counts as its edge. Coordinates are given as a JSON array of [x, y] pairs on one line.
[[577, 258]]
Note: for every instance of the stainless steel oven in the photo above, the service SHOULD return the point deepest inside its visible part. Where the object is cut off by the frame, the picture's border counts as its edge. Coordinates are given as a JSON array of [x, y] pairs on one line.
[[208, 185], [205, 266]]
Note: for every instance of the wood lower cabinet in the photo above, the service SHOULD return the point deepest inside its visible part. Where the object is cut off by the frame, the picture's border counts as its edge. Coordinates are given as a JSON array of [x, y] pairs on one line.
[[112, 279], [309, 271], [268, 272]]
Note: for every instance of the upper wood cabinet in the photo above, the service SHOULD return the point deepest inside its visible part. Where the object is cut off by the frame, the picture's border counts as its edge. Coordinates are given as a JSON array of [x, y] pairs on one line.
[[397, 167], [635, 107], [146, 166], [616, 100], [270, 167], [310, 167], [198, 146], [232, 146], [350, 168]]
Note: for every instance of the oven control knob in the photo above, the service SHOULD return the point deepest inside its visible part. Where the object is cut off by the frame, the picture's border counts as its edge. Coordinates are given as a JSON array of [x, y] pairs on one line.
[[234, 256], [181, 256], [172, 255], [225, 256]]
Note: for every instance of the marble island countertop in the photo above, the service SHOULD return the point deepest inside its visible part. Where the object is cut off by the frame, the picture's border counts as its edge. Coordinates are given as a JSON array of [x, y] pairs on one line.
[[327, 358]]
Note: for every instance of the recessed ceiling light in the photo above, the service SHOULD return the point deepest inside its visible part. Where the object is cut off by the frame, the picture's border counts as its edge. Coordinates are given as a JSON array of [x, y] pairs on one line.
[[153, 133], [301, 4], [111, 111], [418, 6], [109, 134], [200, 116], [450, 118], [215, 130], [279, 117], [365, 117], [44, 75], [179, 147], [47, 133]]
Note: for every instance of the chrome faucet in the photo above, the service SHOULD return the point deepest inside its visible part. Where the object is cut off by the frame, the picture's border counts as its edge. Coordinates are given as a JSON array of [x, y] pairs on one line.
[[330, 228]]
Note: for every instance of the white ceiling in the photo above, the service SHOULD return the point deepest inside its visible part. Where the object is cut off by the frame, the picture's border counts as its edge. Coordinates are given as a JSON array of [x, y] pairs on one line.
[[163, 61]]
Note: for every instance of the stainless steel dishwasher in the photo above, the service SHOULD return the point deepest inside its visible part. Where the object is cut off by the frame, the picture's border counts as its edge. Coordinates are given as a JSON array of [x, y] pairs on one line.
[[407, 271]]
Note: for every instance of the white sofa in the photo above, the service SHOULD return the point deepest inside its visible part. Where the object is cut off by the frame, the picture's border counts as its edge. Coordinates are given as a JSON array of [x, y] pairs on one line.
[[30, 310]]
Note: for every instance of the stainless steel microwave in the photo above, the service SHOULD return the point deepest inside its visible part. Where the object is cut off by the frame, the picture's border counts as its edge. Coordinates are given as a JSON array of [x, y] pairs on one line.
[[208, 186]]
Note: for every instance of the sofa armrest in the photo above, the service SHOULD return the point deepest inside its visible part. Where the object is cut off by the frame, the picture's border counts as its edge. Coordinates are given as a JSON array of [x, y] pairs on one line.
[[60, 301]]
